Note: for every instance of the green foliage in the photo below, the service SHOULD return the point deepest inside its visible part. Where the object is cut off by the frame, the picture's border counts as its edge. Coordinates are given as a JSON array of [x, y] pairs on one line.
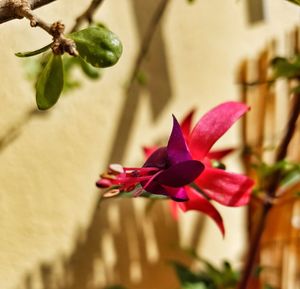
[[289, 173], [50, 83], [33, 53], [71, 63], [210, 277], [98, 46], [287, 68], [297, 2]]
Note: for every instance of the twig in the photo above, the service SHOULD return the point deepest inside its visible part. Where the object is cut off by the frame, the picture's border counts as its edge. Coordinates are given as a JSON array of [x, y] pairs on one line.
[[146, 41], [87, 15], [7, 11], [60, 43], [270, 192]]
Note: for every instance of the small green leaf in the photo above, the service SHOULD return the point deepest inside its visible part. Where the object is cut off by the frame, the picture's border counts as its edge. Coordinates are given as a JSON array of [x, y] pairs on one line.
[[89, 70], [184, 274], [50, 83], [288, 68], [98, 46], [297, 2], [33, 53]]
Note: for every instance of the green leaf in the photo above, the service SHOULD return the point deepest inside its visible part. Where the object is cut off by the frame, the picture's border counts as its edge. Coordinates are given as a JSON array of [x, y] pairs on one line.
[[33, 53], [50, 83], [297, 2], [288, 68], [98, 46], [184, 274], [89, 70]]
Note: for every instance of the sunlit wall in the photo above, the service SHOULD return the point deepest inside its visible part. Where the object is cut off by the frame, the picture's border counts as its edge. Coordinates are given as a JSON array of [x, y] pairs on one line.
[[53, 234]]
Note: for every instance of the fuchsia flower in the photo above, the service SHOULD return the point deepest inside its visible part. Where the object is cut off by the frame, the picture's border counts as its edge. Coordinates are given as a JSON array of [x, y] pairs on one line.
[[183, 171], [216, 184], [166, 172]]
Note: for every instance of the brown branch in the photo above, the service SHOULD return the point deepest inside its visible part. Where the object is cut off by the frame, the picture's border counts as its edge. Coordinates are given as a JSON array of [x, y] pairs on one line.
[[60, 44], [270, 192], [7, 11], [87, 15]]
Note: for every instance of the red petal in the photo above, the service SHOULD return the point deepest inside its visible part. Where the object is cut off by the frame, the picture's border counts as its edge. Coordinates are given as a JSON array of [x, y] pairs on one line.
[[213, 125], [219, 154], [226, 188], [199, 203], [187, 123], [174, 210]]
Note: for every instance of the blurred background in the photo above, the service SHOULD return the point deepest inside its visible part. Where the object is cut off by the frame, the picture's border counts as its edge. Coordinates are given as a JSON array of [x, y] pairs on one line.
[[53, 233]]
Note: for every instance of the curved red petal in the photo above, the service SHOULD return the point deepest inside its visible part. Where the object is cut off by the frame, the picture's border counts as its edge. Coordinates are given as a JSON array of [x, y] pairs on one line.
[[213, 125], [187, 123], [219, 154], [226, 188], [198, 203], [174, 210]]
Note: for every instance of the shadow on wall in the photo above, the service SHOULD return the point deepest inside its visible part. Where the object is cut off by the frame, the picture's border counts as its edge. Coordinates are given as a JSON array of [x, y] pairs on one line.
[[158, 85], [122, 245], [14, 131]]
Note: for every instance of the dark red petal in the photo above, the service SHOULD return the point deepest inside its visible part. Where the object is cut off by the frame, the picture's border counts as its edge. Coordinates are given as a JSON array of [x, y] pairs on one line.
[[157, 159], [226, 188], [213, 125], [177, 149], [148, 151], [180, 174], [176, 194], [186, 124], [198, 203]]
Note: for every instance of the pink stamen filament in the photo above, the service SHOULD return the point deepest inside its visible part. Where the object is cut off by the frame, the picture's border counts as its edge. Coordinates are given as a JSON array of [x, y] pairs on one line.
[[139, 191]]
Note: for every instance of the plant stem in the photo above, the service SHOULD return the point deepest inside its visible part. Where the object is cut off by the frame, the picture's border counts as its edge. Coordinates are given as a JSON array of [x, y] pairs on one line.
[[7, 10], [87, 15], [60, 44], [270, 192]]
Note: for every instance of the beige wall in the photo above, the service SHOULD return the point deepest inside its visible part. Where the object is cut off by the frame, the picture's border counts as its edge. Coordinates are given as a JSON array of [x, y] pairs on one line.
[[49, 162]]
